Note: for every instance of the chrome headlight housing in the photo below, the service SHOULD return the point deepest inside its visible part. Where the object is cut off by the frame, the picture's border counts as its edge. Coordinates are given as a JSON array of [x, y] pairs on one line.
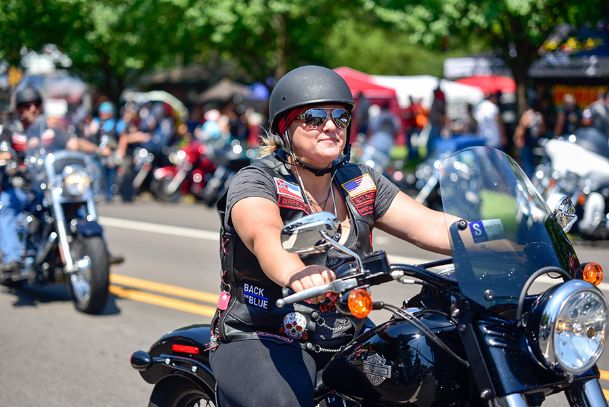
[[567, 328], [76, 181]]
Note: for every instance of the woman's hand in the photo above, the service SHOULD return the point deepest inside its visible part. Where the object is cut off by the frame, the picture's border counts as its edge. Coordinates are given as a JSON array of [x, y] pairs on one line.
[[311, 276]]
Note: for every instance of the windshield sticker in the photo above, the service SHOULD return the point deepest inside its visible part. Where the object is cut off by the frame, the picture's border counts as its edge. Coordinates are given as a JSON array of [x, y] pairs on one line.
[[485, 230]]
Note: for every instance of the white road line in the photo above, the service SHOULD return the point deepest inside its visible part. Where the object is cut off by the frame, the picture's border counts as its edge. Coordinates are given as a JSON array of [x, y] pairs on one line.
[[214, 236], [156, 228]]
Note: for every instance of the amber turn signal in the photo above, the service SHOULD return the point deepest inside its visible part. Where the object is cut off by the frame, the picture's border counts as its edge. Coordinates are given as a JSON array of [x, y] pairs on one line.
[[360, 303], [593, 273]]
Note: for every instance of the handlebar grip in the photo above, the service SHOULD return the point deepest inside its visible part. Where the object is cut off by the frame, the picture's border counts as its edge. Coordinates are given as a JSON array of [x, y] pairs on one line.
[[303, 295]]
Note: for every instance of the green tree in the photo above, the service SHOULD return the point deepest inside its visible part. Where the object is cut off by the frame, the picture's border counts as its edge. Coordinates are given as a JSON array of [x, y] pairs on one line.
[[515, 29], [110, 42], [269, 36]]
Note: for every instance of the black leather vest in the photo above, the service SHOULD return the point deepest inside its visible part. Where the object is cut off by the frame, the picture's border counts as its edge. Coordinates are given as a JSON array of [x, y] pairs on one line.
[[251, 308]]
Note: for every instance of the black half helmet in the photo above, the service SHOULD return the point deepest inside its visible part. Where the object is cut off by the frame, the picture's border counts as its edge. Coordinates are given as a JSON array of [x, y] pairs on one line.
[[27, 94], [306, 85]]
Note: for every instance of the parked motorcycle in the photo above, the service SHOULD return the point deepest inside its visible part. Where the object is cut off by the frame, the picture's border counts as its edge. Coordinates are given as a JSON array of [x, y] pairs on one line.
[[63, 240], [473, 336], [228, 157], [375, 152], [424, 187], [188, 173], [577, 165]]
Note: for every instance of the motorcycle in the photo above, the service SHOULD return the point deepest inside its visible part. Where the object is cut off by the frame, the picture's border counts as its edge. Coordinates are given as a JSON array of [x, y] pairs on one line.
[[424, 187], [63, 240], [577, 165], [473, 336], [187, 174], [229, 157]]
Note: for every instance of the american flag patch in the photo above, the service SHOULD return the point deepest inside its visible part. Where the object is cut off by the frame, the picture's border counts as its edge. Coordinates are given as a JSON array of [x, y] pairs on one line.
[[288, 189], [360, 185]]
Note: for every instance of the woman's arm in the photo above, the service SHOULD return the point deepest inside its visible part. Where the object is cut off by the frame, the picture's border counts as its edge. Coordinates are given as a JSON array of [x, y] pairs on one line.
[[258, 223], [409, 220]]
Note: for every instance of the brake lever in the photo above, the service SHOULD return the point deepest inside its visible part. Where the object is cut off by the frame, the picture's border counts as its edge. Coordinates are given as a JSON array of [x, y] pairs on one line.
[[336, 286]]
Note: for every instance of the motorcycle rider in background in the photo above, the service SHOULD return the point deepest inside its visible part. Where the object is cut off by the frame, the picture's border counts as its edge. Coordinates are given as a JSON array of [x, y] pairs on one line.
[[102, 131], [306, 170], [31, 128], [129, 137]]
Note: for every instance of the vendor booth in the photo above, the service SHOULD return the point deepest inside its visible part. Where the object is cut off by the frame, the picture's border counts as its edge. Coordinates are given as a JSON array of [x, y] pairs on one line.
[[422, 87], [574, 61]]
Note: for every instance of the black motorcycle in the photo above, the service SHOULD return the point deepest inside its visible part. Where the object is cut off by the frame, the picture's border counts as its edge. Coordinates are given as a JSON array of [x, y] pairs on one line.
[[64, 243], [228, 157], [473, 336]]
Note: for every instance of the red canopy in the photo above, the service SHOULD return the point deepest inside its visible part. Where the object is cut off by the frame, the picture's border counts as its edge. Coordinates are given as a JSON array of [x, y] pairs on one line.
[[361, 82], [491, 83]]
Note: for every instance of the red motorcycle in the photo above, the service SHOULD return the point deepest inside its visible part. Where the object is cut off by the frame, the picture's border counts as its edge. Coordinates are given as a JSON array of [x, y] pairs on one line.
[[189, 170]]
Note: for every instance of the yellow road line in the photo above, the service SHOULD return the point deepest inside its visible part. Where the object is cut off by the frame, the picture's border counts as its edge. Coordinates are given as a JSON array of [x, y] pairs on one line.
[[162, 301], [606, 394], [604, 374], [163, 288]]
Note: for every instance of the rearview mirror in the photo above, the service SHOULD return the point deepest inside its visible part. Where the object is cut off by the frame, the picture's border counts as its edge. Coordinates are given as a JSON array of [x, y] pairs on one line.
[[304, 235], [564, 213]]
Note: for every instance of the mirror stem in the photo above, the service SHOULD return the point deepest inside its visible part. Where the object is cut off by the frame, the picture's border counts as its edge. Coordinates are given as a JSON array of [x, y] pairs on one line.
[[343, 249]]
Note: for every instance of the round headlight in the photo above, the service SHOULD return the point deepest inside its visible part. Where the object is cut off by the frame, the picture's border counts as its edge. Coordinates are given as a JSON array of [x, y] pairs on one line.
[[75, 181], [569, 324]]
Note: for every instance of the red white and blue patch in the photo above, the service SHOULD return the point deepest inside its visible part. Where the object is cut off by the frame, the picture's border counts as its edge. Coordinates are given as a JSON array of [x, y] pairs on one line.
[[362, 192], [289, 195]]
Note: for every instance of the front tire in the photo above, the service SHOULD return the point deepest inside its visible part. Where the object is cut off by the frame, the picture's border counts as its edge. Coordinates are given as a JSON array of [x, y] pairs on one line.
[[90, 285], [179, 392]]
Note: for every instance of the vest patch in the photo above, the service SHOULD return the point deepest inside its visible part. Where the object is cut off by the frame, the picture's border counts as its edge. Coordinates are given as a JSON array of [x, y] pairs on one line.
[[254, 296], [287, 189], [362, 191], [291, 203], [289, 196]]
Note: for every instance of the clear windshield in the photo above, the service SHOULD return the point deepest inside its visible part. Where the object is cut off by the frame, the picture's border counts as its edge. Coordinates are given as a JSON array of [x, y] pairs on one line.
[[510, 233]]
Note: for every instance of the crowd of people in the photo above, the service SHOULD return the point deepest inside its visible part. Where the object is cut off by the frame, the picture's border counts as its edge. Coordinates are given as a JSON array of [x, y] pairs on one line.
[[422, 128]]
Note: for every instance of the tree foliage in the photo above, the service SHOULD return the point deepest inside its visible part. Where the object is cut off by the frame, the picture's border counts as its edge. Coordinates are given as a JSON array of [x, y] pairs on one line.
[[515, 29], [112, 42]]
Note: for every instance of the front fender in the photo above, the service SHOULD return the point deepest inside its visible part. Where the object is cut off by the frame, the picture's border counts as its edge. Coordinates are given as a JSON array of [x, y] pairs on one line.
[[89, 228], [183, 352]]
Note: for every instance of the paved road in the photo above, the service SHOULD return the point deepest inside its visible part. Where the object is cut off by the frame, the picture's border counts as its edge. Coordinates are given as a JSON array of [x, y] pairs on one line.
[[54, 356]]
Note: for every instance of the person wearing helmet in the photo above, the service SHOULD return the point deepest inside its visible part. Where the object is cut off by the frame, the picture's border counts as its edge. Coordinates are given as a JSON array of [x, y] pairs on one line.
[[30, 129], [29, 125], [305, 169]]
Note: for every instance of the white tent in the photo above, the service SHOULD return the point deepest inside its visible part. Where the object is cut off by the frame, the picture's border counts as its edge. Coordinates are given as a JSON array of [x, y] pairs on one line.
[[422, 86]]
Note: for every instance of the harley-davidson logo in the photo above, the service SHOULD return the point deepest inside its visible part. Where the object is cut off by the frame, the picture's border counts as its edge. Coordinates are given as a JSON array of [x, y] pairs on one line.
[[376, 370]]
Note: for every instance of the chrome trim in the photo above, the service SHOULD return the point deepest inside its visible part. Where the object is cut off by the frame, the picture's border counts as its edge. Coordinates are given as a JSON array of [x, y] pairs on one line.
[[565, 213]]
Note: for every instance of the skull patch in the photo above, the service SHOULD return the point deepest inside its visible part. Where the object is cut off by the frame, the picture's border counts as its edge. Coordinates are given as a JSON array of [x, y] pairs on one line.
[[294, 326]]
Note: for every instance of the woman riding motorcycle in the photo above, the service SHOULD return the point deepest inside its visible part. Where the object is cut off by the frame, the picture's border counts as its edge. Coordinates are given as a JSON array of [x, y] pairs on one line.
[[306, 169]]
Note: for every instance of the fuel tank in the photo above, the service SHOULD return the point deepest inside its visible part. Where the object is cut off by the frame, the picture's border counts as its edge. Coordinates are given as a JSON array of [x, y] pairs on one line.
[[396, 364]]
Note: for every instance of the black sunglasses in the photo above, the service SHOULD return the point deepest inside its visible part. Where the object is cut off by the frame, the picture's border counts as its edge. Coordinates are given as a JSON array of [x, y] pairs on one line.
[[27, 105], [317, 117]]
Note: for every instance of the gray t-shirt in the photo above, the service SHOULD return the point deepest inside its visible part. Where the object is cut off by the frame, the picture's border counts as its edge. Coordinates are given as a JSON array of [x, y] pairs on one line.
[[254, 182]]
